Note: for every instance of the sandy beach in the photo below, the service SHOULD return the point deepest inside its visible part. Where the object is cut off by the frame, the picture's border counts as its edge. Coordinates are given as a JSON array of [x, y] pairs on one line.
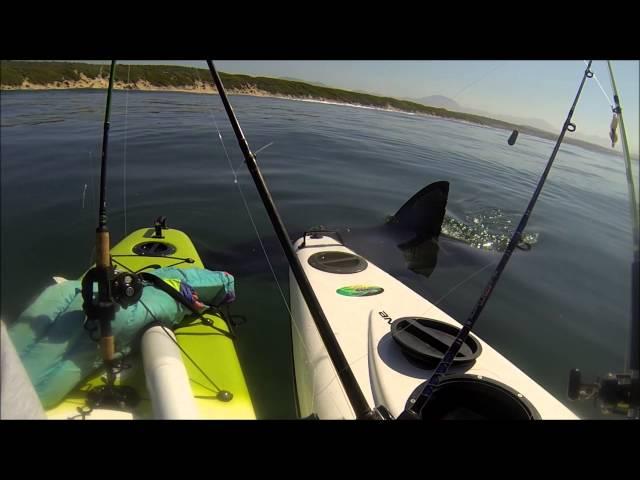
[[197, 87]]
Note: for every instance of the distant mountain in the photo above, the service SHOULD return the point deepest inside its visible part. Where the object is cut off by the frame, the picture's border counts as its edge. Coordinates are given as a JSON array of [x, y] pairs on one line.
[[541, 125], [532, 122], [439, 101], [598, 140]]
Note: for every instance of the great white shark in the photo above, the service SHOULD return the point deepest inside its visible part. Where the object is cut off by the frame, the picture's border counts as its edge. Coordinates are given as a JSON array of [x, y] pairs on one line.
[[415, 239], [420, 232]]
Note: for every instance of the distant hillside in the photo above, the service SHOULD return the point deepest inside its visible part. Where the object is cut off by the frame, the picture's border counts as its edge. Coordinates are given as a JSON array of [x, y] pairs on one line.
[[293, 79], [440, 101], [19, 75]]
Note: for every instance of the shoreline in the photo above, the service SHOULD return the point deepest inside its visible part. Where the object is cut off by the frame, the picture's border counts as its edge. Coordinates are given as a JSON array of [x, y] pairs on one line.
[[199, 88], [203, 88]]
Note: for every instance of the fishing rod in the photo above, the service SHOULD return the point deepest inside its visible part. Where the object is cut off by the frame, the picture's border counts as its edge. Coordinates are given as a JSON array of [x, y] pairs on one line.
[[420, 399], [634, 356], [102, 308], [619, 392], [345, 374], [112, 289]]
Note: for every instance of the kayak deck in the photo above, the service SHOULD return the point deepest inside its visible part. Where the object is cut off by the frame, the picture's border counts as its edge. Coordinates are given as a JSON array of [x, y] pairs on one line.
[[360, 308], [209, 348]]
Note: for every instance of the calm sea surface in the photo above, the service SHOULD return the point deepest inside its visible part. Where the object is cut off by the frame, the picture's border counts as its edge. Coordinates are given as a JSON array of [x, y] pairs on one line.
[[563, 304]]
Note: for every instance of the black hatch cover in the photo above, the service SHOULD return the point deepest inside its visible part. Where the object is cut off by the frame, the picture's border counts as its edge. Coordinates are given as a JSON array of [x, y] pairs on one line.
[[427, 340], [154, 249], [337, 262]]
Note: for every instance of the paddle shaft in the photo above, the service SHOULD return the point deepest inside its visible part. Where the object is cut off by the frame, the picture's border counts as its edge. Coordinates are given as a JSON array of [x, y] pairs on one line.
[[417, 403], [345, 374]]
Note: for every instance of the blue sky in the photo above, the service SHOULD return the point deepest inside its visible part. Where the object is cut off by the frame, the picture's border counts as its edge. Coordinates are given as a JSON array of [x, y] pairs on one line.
[[528, 89]]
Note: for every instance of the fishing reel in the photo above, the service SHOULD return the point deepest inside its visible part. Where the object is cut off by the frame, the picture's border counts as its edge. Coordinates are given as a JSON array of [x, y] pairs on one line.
[[104, 290], [617, 393], [126, 288], [100, 304]]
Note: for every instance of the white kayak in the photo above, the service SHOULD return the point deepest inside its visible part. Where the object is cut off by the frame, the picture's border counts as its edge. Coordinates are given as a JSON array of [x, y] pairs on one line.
[[363, 304]]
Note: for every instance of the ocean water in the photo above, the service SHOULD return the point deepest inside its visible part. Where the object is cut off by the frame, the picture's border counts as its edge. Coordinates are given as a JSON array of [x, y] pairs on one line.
[[565, 303]]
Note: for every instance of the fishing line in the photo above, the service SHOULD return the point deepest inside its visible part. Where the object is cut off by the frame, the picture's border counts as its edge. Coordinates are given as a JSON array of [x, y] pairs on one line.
[[431, 307], [255, 229], [255, 154], [246, 206], [93, 170], [424, 394], [262, 148], [462, 283], [92, 176], [93, 179], [602, 89], [84, 194], [168, 332], [479, 79], [124, 167], [354, 392]]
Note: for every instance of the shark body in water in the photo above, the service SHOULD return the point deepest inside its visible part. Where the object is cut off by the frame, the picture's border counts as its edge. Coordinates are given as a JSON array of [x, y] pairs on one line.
[[420, 232], [416, 238]]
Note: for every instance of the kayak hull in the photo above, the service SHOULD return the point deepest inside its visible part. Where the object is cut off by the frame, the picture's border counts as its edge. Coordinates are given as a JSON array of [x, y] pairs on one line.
[[361, 307], [210, 349]]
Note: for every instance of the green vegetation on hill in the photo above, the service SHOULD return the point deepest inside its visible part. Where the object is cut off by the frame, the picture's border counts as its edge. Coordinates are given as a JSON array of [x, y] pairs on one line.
[[41, 73], [14, 73]]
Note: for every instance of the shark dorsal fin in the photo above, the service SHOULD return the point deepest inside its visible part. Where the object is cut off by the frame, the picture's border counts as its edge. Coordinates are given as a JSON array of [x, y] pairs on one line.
[[424, 212]]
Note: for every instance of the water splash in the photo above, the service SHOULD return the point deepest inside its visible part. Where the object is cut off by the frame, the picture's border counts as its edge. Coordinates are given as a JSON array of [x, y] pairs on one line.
[[487, 230]]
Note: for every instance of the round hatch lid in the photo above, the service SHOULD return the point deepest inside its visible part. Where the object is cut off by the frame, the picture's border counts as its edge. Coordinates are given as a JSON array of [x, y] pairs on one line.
[[154, 249], [337, 262], [473, 397], [427, 340]]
